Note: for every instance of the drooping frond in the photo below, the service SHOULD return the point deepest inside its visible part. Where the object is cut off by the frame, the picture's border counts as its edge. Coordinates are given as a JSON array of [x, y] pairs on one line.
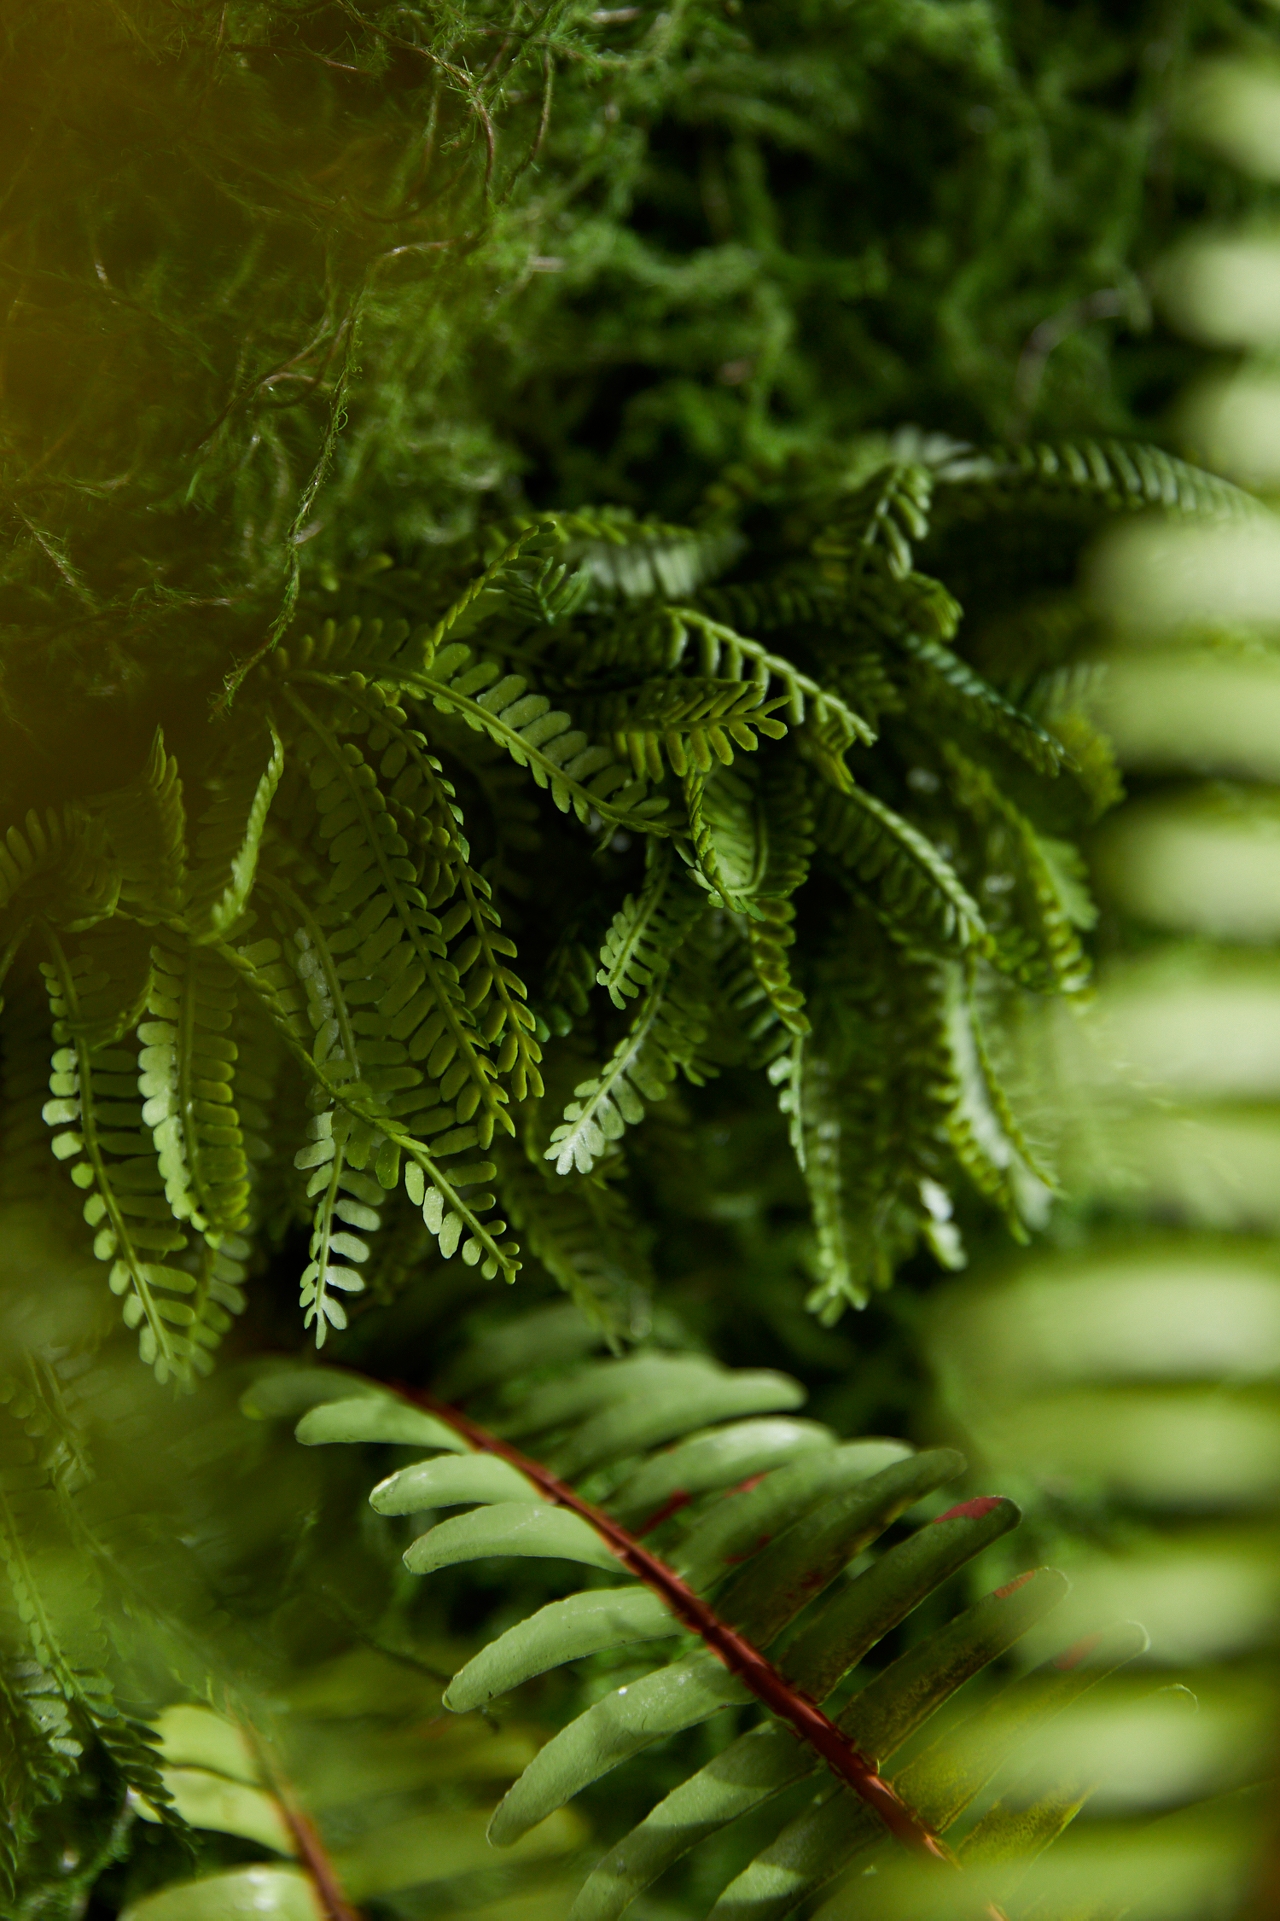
[[96, 1114], [1113, 475], [913, 885], [56, 865], [579, 774], [948, 681], [1036, 921], [626, 558], [146, 824], [582, 1231], [665, 1034], [370, 853], [648, 928], [229, 837], [753, 1515], [688, 723]]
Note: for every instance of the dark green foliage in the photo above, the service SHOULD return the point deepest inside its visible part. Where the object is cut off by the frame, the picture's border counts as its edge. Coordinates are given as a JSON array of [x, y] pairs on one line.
[[517, 765], [338, 895], [347, 274]]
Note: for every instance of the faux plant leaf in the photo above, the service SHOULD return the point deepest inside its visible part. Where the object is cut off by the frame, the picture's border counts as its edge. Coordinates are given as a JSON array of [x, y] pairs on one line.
[[209, 1800], [453, 1482], [753, 1562], [370, 1418], [567, 1630], [237, 1894], [509, 1527]]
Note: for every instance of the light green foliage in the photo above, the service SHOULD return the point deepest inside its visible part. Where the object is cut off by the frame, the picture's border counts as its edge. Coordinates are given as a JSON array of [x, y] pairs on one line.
[[769, 1556]]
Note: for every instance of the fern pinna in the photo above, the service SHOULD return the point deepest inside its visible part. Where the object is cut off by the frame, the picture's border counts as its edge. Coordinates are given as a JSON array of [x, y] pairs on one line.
[[727, 1523], [772, 819]]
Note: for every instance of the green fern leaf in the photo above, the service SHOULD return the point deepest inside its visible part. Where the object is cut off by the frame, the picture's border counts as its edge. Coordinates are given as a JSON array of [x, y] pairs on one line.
[[647, 929], [187, 1082], [665, 1034], [887, 512], [585, 1236], [228, 842], [401, 948], [766, 1553], [688, 723], [146, 824], [629, 559], [943, 678], [1036, 922], [57, 866], [585, 777], [1112, 474], [915, 887], [96, 1116]]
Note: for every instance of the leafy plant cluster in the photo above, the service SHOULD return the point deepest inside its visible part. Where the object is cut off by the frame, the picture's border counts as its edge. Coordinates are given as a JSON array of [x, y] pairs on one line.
[[274, 1010], [420, 877], [722, 1523], [283, 993]]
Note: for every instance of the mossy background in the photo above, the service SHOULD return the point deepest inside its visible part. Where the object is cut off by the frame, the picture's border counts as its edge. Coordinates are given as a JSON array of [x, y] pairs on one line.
[[286, 287]]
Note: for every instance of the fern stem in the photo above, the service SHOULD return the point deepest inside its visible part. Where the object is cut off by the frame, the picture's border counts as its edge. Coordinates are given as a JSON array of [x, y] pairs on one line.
[[308, 1846], [743, 1660]]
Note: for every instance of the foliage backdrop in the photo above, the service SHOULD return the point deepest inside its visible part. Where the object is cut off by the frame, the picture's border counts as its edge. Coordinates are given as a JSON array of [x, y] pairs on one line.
[[641, 399]]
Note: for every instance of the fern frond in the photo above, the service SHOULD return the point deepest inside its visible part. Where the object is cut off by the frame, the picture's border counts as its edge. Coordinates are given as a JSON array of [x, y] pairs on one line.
[[545, 592], [985, 1136], [1035, 923], [1112, 475], [658, 642], [945, 680], [146, 824], [450, 1212], [647, 929], [735, 1570], [752, 840], [423, 805], [56, 865], [96, 1116], [687, 723], [421, 1008], [347, 1209], [914, 886], [887, 512], [579, 774], [874, 1132], [584, 1234], [752, 834], [1062, 701], [229, 839], [629, 559], [57, 1647], [666, 1033], [187, 1082]]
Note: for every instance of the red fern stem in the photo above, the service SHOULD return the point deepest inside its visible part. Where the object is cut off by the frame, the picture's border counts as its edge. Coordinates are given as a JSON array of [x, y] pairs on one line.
[[765, 1681]]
